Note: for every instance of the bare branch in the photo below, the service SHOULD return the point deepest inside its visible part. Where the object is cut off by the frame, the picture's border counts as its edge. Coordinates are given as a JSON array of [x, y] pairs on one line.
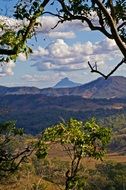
[[57, 15], [67, 149], [110, 73], [7, 52], [121, 25], [93, 27], [84, 18]]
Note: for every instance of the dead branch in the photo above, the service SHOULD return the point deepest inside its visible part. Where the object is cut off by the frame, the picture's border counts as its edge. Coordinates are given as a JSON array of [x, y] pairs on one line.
[[95, 70]]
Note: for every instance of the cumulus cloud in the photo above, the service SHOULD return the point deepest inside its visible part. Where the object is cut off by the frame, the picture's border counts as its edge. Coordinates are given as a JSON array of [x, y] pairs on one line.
[[67, 35], [12, 23], [47, 27], [59, 56], [7, 68], [63, 30], [9, 21], [22, 57], [42, 78]]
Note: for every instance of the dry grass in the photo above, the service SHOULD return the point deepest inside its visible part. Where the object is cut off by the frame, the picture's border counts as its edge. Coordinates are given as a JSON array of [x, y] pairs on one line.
[[26, 183], [27, 179]]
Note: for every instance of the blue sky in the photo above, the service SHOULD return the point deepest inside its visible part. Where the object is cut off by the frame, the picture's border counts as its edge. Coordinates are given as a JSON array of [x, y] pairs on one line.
[[62, 52]]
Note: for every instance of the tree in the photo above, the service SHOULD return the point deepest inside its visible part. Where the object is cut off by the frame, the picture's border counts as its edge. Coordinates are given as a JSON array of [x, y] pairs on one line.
[[12, 153], [111, 18], [79, 140], [14, 40]]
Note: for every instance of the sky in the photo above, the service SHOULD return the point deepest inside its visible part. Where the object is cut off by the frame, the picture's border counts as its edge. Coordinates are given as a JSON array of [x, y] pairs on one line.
[[59, 53]]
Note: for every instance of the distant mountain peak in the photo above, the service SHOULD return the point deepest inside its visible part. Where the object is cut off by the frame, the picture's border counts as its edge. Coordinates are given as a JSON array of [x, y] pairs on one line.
[[66, 78], [66, 83]]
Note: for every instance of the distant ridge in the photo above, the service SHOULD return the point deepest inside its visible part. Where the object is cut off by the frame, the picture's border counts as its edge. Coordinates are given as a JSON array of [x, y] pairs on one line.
[[19, 90], [66, 83], [113, 87]]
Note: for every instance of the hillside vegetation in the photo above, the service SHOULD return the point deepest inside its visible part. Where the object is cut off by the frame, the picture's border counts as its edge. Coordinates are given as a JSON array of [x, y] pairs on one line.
[[48, 171]]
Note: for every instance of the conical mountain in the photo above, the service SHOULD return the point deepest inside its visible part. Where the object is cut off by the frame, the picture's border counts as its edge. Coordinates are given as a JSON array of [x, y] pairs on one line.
[[66, 83]]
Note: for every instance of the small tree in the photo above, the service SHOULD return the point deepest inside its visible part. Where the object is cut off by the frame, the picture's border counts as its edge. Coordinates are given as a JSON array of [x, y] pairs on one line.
[[79, 140], [12, 154]]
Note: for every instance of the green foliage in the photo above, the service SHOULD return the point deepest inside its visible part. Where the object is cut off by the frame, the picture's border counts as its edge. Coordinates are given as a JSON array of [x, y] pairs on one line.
[[27, 9], [9, 128], [13, 151], [79, 140], [41, 151], [88, 139], [115, 174], [120, 9], [106, 176], [13, 40], [36, 186], [118, 125]]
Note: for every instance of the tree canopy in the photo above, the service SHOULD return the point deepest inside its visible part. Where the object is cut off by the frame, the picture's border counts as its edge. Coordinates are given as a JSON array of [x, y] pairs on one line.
[[79, 139], [12, 150]]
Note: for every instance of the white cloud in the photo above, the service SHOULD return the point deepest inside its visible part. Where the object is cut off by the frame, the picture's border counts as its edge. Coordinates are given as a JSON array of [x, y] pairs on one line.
[[63, 30], [40, 52], [43, 78], [67, 35], [12, 23], [7, 68], [105, 46], [22, 57], [59, 56], [59, 49]]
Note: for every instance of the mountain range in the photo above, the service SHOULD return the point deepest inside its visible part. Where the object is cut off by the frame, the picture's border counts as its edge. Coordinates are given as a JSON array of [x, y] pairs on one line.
[[114, 87], [35, 109]]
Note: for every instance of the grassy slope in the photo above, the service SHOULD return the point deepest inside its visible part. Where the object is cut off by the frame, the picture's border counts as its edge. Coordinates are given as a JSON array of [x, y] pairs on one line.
[[26, 179]]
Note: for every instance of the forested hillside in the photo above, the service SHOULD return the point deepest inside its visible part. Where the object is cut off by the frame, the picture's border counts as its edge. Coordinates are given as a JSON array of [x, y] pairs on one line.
[[36, 112]]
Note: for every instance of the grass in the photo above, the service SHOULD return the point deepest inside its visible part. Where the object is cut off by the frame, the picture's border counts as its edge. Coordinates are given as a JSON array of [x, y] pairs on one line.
[[27, 178]]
